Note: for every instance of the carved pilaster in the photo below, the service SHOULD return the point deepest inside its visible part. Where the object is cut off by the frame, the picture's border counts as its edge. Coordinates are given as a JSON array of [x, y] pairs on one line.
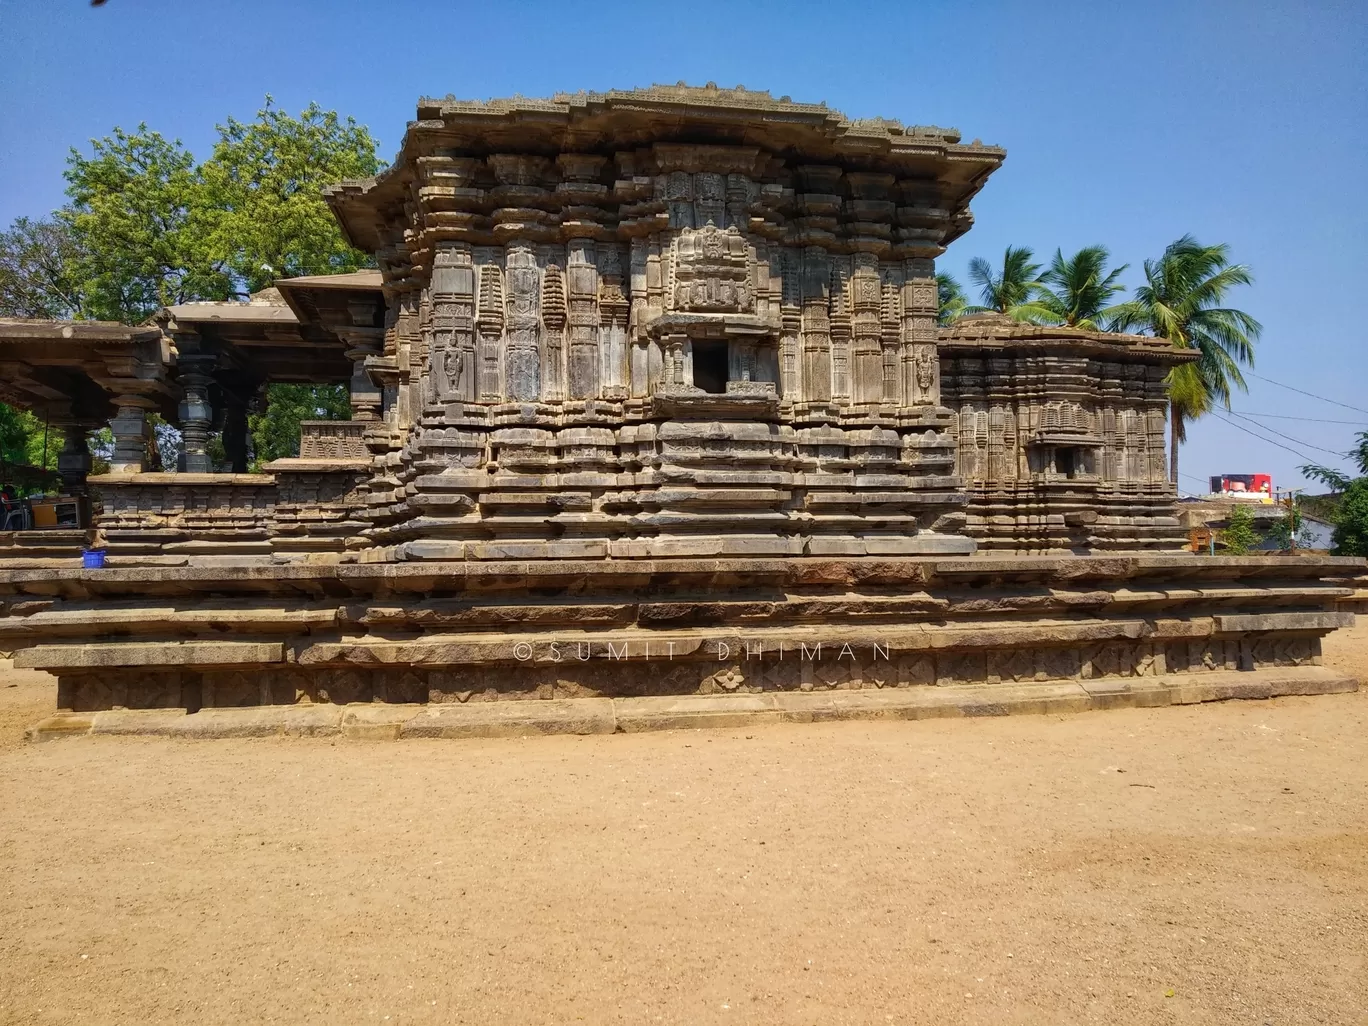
[[613, 310], [842, 328], [816, 326], [523, 326], [554, 308], [641, 344], [889, 334], [582, 298], [919, 359], [863, 298], [490, 324], [407, 333], [791, 323], [451, 366]]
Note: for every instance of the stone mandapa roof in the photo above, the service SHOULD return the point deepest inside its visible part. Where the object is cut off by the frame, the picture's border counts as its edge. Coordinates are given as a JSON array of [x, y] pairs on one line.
[[102, 332], [995, 329], [619, 121]]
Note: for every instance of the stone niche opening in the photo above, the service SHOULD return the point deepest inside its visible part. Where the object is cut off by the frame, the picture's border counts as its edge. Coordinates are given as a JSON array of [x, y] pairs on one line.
[[711, 362], [1067, 461]]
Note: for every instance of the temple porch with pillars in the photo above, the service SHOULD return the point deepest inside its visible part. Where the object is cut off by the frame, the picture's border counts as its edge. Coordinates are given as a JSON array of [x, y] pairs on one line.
[[204, 367]]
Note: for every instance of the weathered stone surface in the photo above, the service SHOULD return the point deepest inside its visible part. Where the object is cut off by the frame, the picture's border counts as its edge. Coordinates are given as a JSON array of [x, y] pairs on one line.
[[513, 719], [632, 715], [1284, 621], [467, 634], [152, 653]]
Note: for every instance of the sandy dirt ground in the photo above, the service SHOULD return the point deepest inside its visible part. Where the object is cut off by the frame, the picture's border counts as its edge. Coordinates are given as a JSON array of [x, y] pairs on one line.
[[1183, 865]]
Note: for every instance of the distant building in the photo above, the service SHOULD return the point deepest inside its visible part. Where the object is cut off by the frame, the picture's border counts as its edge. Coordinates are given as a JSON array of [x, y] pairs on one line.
[[1243, 486]]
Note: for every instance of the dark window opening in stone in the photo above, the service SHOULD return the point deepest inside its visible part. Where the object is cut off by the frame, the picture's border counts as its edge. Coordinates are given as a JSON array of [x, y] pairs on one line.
[[710, 366], [1066, 461]]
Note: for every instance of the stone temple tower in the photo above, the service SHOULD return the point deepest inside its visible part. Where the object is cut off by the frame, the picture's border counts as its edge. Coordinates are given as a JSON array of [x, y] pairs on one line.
[[665, 322]]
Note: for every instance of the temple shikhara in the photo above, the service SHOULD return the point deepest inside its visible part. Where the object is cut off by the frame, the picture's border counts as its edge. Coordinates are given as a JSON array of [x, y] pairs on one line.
[[652, 419]]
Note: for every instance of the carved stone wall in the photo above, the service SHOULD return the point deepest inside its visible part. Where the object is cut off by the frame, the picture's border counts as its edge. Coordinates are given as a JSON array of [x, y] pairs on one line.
[[1062, 437], [647, 346], [185, 515], [333, 440], [187, 638]]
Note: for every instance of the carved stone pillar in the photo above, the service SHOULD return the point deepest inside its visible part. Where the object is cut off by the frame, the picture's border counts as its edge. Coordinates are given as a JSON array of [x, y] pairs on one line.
[[196, 415], [131, 433], [235, 433], [73, 462], [363, 340], [677, 375]]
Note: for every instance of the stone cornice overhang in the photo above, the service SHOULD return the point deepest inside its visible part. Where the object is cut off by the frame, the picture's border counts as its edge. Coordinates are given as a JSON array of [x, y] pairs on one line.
[[491, 580], [75, 370], [612, 122], [64, 332], [1027, 338], [307, 296], [269, 339]]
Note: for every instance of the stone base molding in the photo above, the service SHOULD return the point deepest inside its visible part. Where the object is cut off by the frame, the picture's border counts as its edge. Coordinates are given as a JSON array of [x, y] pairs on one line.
[[465, 634], [373, 722]]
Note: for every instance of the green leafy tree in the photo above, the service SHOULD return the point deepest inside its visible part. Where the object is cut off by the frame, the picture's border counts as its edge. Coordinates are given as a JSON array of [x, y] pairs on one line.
[[136, 209], [1350, 537], [1239, 536], [147, 227], [25, 439], [265, 218], [275, 431], [15, 429], [953, 303], [1077, 292], [1350, 511], [1008, 289], [263, 212], [1181, 301], [40, 272], [1290, 530]]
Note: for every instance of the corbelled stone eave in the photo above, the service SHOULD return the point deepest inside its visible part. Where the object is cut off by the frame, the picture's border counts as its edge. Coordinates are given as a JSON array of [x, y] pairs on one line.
[[610, 122]]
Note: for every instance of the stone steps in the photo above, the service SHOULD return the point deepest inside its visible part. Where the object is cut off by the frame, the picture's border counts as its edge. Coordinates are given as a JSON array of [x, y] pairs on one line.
[[685, 712]]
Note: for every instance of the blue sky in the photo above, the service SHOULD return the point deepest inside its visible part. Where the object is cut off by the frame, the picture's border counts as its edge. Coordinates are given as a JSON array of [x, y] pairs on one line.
[[1125, 124]]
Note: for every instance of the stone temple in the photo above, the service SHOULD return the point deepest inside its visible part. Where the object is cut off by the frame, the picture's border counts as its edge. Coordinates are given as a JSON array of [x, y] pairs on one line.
[[652, 421]]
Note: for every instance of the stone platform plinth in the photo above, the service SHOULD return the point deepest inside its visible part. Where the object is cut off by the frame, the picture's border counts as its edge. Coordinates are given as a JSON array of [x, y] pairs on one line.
[[1109, 630]]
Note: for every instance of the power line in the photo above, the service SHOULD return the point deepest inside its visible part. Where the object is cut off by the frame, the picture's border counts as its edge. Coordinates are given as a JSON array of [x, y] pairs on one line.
[[1332, 402], [1264, 438], [1299, 441], [1313, 420]]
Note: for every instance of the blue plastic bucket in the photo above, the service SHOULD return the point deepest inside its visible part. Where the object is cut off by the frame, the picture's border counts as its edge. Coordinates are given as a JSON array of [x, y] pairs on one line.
[[92, 559]]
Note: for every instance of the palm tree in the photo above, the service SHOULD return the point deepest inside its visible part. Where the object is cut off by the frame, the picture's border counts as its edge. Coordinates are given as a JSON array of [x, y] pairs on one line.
[[1006, 291], [1179, 302], [953, 305], [1077, 292]]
